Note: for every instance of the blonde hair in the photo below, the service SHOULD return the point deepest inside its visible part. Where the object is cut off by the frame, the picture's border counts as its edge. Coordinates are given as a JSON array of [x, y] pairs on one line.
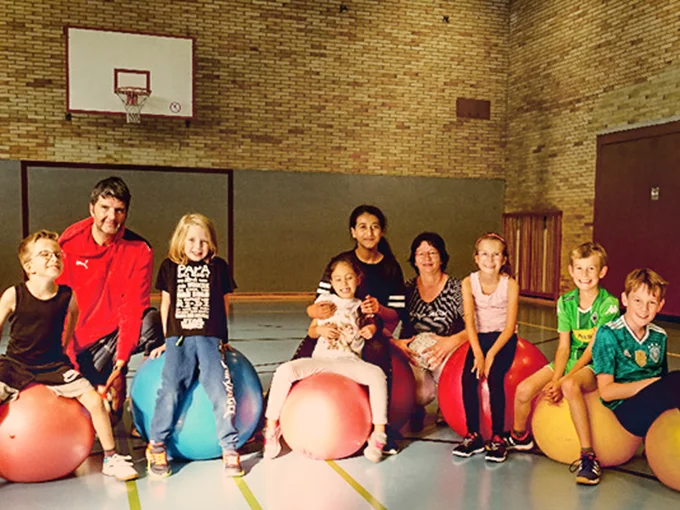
[[647, 277], [26, 245], [179, 237], [585, 250]]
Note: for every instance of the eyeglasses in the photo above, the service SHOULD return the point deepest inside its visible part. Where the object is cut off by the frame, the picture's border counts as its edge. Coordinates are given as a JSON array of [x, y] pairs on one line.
[[47, 255], [431, 254]]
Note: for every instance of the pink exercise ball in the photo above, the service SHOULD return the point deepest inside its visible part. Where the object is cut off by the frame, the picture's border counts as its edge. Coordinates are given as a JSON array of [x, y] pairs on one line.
[[528, 359], [43, 436], [662, 445], [326, 416]]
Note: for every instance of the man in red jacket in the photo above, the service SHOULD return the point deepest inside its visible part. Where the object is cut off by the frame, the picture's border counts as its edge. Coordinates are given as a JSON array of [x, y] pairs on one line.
[[109, 268]]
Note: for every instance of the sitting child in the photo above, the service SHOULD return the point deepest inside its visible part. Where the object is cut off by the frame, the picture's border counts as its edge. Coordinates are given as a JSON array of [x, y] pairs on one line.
[[338, 350], [629, 356], [37, 310], [579, 313]]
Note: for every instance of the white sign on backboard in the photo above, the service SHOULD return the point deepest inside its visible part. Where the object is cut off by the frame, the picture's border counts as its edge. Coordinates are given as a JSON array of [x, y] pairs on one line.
[[99, 61]]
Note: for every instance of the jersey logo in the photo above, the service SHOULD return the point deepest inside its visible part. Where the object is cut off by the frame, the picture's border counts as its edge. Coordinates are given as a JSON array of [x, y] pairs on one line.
[[82, 263], [641, 358], [626, 353], [612, 309], [583, 335], [655, 352], [594, 318]]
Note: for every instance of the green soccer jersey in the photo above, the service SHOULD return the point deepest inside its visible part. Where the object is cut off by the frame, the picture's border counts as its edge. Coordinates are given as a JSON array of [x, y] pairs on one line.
[[582, 324], [618, 352]]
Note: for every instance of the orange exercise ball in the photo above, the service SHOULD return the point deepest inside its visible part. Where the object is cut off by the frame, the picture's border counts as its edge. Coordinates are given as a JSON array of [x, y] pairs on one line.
[[43, 436], [662, 445], [555, 433], [326, 416]]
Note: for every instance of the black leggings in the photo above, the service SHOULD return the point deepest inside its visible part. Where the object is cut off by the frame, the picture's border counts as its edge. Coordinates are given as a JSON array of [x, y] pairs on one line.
[[637, 413], [496, 381], [376, 351]]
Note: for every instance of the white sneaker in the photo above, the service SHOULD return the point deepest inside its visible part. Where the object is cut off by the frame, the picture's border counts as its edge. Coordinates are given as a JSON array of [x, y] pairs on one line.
[[120, 467]]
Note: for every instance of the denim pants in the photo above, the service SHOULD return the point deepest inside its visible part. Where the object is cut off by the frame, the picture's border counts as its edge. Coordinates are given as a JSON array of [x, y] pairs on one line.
[[181, 361]]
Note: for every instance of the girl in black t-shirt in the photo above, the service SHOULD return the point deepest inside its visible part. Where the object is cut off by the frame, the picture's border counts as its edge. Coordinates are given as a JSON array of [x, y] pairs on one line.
[[381, 291], [194, 284]]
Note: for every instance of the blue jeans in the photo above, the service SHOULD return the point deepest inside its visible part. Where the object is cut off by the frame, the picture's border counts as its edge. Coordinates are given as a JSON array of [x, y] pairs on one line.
[[179, 370]]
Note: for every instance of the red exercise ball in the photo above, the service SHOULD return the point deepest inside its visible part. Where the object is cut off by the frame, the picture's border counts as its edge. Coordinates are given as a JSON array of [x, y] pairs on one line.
[[326, 416], [403, 395], [528, 359], [43, 436]]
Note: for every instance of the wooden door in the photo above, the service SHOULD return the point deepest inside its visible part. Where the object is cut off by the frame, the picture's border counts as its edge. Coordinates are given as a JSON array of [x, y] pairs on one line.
[[637, 226]]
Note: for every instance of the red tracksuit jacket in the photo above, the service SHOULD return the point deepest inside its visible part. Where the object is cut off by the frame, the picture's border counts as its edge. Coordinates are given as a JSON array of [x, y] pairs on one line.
[[112, 285]]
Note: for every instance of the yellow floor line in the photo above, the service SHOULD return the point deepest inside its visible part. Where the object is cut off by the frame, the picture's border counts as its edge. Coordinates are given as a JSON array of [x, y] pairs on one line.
[[133, 495], [247, 494], [536, 326], [356, 486]]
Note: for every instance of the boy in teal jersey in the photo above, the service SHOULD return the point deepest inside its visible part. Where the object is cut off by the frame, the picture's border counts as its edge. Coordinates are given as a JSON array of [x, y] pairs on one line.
[[630, 357], [580, 313]]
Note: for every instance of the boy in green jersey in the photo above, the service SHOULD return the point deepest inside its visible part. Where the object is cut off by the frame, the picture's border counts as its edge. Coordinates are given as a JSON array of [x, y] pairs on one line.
[[580, 313], [630, 357]]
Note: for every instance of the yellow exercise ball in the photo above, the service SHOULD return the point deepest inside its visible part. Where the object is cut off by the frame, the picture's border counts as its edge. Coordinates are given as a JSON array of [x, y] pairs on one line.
[[556, 436], [662, 445]]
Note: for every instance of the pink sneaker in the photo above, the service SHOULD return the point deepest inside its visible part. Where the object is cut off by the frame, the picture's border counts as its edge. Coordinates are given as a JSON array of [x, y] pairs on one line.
[[376, 443], [272, 442]]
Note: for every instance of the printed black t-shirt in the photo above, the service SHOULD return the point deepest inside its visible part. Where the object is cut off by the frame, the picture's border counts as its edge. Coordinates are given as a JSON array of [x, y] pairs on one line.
[[197, 292]]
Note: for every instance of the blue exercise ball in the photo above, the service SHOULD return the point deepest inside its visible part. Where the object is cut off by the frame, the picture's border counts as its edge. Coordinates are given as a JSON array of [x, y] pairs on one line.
[[195, 436]]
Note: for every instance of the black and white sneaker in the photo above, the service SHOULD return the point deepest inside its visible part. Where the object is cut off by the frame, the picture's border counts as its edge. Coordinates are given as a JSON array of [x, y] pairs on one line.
[[391, 447], [588, 469], [496, 451], [471, 444], [523, 444]]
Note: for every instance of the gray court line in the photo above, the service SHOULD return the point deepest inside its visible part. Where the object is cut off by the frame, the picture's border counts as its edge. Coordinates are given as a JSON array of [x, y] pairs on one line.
[[547, 341]]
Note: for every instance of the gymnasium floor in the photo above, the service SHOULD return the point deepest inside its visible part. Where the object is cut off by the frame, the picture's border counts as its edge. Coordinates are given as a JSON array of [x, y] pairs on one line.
[[423, 476]]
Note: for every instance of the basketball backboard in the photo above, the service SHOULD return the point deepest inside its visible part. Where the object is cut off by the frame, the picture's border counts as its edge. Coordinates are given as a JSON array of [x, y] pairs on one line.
[[100, 61]]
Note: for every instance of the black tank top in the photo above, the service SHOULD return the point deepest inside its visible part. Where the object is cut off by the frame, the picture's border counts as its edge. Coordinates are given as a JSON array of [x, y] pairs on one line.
[[36, 327]]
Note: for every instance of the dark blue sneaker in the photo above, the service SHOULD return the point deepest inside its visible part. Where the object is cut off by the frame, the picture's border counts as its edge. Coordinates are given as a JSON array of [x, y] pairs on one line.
[[588, 469]]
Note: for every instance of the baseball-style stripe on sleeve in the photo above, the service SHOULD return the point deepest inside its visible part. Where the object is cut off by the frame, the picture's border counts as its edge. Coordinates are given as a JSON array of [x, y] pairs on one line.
[[323, 288], [397, 301]]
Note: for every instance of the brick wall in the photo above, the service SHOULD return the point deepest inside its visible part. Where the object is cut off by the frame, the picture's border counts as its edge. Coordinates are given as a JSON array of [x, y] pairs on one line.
[[281, 85], [578, 68]]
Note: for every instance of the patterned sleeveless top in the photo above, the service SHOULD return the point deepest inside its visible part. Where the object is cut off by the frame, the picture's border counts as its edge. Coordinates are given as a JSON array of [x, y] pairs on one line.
[[441, 316]]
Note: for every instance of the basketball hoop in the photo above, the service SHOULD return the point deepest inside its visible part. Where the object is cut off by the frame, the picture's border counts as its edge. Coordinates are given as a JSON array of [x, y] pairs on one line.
[[133, 99]]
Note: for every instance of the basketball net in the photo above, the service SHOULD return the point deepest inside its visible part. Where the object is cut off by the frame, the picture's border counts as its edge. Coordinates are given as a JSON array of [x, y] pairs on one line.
[[133, 99]]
